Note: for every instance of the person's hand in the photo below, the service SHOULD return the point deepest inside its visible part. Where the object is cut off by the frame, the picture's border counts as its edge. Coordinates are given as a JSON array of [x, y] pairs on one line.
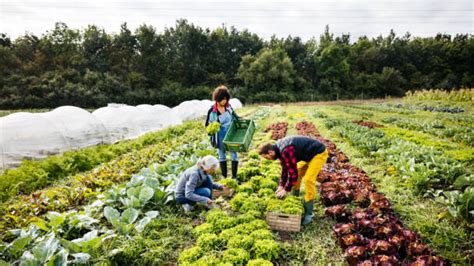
[[210, 202], [281, 193], [278, 190]]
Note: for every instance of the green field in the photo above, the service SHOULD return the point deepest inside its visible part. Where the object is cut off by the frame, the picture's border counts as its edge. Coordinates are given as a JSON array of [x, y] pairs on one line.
[[114, 209]]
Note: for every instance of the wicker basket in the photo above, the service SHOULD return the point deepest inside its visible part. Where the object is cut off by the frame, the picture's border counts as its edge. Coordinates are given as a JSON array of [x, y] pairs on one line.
[[284, 222]]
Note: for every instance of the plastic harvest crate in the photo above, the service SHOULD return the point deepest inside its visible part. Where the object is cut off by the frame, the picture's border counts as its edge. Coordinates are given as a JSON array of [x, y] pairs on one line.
[[239, 135]]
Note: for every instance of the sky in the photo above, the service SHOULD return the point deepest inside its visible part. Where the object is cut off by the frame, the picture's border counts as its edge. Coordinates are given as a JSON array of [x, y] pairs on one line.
[[266, 18]]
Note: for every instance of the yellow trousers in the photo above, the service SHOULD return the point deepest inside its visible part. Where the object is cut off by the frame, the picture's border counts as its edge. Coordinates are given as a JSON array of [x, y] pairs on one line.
[[308, 172]]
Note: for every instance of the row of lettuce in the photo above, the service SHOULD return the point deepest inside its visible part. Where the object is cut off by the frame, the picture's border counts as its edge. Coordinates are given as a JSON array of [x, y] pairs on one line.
[[425, 170], [75, 236], [32, 175], [457, 130], [79, 189], [237, 233], [117, 220]]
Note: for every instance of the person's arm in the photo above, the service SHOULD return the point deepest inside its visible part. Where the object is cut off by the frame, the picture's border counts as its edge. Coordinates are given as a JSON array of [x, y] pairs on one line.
[[217, 186], [233, 113], [289, 158], [284, 173], [191, 187], [208, 117]]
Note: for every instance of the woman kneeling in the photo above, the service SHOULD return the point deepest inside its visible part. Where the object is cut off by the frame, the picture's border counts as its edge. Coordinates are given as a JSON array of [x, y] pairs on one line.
[[195, 184]]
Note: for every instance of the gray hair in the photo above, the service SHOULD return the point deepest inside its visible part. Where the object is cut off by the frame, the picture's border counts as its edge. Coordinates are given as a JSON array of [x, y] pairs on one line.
[[208, 162]]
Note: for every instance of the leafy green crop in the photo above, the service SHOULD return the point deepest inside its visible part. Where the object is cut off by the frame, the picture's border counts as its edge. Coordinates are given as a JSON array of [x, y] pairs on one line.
[[425, 170], [240, 241], [262, 234], [190, 255], [290, 205], [236, 256], [124, 223], [266, 249], [32, 175], [176, 153], [259, 262], [122, 212], [203, 229], [213, 128], [229, 182], [209, 241]]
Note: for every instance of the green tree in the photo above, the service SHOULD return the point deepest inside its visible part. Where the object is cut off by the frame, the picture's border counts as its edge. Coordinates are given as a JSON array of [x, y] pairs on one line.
[[334, 71], [270, 70], [123, 50], [96, 49], [61, 47], [150, 61], [186, 48]]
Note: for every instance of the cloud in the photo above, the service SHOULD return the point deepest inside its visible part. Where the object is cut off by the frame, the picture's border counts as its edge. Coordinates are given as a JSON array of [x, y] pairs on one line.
[[282, 18]]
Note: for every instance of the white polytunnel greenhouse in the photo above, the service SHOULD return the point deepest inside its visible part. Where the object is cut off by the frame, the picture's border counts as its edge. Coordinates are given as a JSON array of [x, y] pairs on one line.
[[38, 135], [118, 122], [235, 103], [160, 107], [79, 127], [144, 106], [29, 136]]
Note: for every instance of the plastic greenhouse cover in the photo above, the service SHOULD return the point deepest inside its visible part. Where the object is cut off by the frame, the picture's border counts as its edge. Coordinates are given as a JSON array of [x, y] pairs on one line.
[[29, 136], [115, 121], [38, 135], [161, 107], [79, 127], [235, 103]]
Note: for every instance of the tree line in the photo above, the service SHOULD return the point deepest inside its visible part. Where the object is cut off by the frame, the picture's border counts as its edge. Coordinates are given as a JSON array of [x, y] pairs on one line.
[[90, 67]]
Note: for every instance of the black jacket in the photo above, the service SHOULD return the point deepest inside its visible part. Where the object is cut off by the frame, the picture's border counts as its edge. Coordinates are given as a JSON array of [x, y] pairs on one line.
[[306, 148]]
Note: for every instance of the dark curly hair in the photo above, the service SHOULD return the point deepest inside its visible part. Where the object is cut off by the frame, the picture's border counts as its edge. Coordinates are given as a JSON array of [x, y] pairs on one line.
[[221, 93]]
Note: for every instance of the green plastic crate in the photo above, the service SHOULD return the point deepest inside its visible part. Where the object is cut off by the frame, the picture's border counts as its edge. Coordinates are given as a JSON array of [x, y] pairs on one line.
[[239, 135]]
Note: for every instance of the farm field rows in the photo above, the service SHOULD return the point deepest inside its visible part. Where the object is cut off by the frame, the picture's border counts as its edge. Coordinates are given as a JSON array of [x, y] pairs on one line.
[[398, 189]]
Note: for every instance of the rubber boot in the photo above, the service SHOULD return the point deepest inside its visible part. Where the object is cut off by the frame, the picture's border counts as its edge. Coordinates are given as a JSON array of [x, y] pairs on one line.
[[308, 212], [224, 168], [235, 167], [295, 192]]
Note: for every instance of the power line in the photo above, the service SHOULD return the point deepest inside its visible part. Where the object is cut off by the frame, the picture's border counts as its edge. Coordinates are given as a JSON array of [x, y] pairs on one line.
[[316, 17], [56, 6], [297, 22], [272, 16], [250, 2]]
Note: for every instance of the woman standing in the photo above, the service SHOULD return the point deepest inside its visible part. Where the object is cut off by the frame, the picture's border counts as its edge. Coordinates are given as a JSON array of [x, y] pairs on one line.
[[222, 112]]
